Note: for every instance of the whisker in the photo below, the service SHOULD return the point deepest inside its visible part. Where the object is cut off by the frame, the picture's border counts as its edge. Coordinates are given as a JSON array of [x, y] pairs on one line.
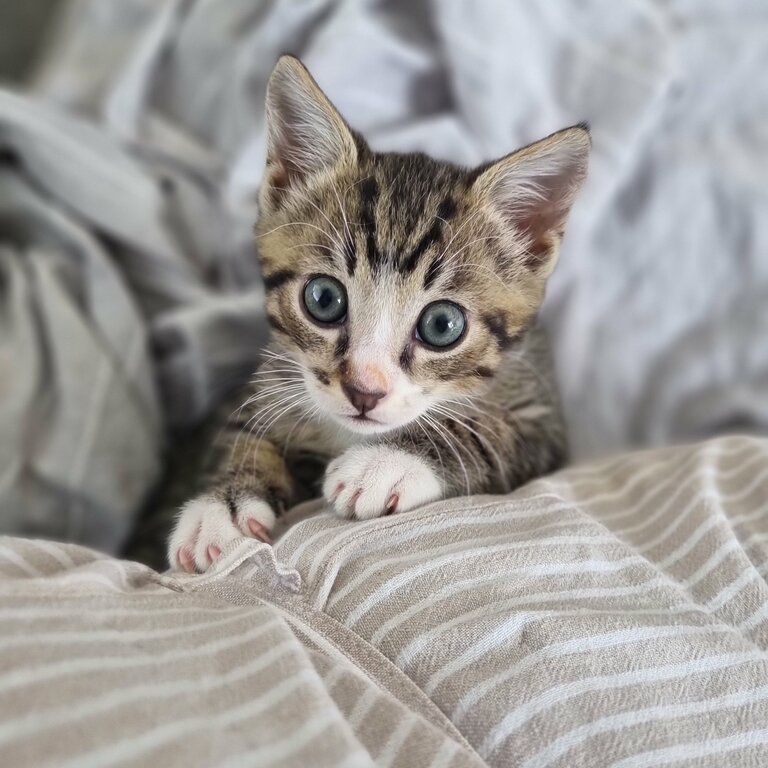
[[281, 388], [252, 419], [306, 417], [437, 451], [290, 400], [296, 224], [312, 245], [338, 239], [463, 226], [350, 240], [466, 265], [481, 438], [441, 433]]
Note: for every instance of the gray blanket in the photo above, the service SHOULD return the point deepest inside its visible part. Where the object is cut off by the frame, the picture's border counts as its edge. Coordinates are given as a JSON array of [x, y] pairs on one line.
[[129, 299], [611, 615]]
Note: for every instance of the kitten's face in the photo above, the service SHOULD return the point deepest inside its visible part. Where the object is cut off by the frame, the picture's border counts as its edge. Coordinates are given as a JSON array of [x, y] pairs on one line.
[[395, 281]]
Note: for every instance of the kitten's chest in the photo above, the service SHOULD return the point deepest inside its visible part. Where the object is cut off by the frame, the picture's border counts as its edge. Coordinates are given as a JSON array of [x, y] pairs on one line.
[[313, 436], [309, 446]]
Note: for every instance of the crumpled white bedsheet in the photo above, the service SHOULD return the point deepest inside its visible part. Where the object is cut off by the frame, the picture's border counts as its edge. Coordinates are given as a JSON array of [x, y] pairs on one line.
[[659, 308]]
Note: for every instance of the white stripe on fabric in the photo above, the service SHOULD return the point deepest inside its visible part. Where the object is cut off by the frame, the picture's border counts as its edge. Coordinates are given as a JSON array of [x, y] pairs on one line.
[[314, 540], [712, 522], [630, 719], [759, 616], [46, 672], [397, 738], [678, 519], [41, 720], [695, 749], [385, 546], [666, 478], [338, 539], [758, 537], [38, 636], [445, 754], [640, 467], [55, 551], [363, 706], [556, 695], [458, 553], [73, 579], [134, 747], [515, 514], [472, 582], [582, 644], [749, 517], [734, 588], [689, 544], [277, 751], [424, 642], [144, 609], [358, 759], [332, 677], [14, 558], [717, 558], [686, 487], [466, 517]]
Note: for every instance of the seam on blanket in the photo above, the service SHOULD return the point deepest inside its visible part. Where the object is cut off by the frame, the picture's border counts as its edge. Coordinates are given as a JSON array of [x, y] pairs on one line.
[[378, 668]]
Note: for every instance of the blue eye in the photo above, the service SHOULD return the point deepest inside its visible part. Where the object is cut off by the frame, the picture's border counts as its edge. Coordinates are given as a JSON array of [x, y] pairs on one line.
[[441, 324], [325, 299]]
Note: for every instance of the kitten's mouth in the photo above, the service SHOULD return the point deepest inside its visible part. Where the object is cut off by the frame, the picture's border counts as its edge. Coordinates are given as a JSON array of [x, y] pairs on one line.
[[361, 418]]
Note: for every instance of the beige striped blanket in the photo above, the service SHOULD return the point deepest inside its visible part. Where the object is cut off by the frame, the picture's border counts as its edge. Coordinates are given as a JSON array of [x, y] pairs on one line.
[[610, 615]]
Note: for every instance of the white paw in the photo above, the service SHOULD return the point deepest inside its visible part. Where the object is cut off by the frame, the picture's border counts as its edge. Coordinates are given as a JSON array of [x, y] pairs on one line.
[[370, 481], [205, 526]]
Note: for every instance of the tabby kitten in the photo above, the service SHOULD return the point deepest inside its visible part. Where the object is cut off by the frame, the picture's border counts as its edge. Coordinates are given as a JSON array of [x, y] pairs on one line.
[[401, 292]]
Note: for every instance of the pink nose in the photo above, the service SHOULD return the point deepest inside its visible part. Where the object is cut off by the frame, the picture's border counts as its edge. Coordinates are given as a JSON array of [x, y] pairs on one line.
[[362, 400]]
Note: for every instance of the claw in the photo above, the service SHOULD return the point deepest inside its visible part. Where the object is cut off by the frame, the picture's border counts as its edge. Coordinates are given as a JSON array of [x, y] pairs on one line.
[[391, 505], [259, 531], [186, 559], [213, 552], [353, 500]]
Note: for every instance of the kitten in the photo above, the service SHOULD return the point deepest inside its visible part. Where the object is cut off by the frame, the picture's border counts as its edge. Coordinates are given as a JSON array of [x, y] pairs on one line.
[[401, 292]]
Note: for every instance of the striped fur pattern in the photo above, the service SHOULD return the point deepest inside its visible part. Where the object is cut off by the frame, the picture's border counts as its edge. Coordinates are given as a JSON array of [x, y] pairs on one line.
[[608, 615], [398, 421]]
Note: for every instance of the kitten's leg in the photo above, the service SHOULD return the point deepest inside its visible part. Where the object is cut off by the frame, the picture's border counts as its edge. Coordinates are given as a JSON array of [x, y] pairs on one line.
[[250, 492], [475, 452]]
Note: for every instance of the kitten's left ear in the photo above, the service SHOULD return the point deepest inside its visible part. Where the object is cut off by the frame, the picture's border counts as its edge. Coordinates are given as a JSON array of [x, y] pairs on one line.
[[533, 190], [305, 132]]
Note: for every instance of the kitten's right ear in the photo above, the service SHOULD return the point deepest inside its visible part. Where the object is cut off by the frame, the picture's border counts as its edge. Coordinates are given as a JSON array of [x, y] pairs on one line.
[[532, 191], [305, 132]]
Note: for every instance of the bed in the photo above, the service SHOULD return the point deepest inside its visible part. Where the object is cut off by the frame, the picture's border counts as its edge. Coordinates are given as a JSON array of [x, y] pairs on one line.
[[614, 613]]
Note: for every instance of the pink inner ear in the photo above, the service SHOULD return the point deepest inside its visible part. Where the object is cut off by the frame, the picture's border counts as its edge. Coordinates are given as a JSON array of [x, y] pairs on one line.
[[305, 133], [542, 223], [534, 189], [278, 182]]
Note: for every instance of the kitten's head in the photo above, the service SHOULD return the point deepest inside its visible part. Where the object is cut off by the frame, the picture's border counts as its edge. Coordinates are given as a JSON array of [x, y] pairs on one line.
[[398, 282]]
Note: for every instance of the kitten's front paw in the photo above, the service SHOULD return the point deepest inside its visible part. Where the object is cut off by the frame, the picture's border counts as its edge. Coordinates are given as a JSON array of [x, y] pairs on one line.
[[206, 525], [370, 481]]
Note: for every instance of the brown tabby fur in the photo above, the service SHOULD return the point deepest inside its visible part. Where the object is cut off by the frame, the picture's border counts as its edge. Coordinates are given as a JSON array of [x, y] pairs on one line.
[[409, 230]]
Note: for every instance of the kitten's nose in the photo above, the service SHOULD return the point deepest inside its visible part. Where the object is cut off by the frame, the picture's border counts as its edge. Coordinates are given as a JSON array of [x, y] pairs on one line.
[[362, 400]]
